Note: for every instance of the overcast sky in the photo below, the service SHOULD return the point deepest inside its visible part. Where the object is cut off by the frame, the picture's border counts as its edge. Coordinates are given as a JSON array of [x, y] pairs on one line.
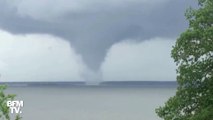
[[72, 40]]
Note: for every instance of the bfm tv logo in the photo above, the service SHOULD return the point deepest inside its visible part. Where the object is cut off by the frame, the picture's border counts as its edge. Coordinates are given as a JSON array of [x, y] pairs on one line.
[[15, 106]]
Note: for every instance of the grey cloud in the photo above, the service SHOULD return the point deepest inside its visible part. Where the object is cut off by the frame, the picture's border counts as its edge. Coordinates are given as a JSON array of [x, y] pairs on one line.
[[148, 60], [92, 32]]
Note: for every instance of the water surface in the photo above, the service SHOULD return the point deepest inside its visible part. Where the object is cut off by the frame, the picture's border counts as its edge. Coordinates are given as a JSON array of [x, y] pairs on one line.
[[91, 103]]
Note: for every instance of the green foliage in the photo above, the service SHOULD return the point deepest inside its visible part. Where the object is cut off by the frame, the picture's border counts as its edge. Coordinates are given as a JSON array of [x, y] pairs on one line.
[[4, 110], [18, 117], [193, 54]]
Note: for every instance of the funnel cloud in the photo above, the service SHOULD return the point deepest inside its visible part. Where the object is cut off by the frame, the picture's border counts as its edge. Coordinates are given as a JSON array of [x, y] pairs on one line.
[[93, 27]]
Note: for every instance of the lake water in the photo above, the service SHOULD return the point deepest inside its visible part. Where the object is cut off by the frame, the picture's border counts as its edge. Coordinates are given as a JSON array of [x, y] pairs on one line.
[[91, 103]]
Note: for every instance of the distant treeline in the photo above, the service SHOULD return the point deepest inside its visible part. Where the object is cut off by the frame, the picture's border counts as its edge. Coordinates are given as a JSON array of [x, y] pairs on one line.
[[101, 84]]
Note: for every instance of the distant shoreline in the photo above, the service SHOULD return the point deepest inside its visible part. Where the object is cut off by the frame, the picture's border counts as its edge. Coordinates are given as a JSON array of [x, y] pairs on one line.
[[101, 84]]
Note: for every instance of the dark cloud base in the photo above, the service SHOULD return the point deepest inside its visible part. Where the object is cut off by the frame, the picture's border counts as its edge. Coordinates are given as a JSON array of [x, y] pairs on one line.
[[92, 33]]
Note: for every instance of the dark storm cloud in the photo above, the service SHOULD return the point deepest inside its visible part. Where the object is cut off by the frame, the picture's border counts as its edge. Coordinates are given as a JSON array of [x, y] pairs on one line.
[[93, 31]]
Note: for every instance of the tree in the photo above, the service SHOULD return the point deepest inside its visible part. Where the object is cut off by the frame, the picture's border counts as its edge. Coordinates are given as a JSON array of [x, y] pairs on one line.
[[193, 54], [4, 110]]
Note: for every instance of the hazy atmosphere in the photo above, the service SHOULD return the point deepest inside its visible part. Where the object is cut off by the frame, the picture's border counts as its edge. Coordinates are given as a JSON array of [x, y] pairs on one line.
[[77, 40]]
